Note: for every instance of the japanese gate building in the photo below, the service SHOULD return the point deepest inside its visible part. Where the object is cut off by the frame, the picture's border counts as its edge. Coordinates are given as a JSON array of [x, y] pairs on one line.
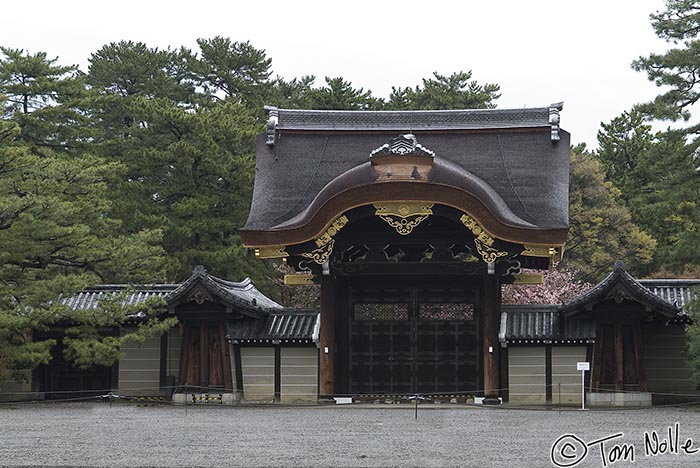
[[411, 221]]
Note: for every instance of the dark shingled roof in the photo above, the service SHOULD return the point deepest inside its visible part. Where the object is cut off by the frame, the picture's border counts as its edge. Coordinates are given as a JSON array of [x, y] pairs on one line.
[[266, 320], [678, 292], [285, 325], [550, 322], [537, 323], [242, 294], [89, 298], [509, 151], [619, 280]]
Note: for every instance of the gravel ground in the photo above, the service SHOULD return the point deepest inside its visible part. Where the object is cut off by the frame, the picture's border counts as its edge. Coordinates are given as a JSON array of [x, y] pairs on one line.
[[95, 435]]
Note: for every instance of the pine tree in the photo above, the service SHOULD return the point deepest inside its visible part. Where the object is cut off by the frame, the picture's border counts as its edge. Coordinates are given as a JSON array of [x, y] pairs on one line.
[[601, 227], [43, 98], [57, 236], [445, 92]]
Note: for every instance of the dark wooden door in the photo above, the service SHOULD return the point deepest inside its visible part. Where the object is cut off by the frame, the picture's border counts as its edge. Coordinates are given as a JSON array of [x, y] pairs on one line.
[[205, 361], [409, 340], [191, 357], [617, 361]]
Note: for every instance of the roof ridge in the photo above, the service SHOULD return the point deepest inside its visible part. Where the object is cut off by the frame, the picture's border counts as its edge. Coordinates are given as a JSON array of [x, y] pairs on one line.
[[414, 111], [245, 283], [619, 273], [109, 287], [412, 120], [669, 280]]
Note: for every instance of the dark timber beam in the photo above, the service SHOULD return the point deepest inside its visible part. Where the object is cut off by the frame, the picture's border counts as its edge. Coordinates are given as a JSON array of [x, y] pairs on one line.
[[327, 339], [490, 324]]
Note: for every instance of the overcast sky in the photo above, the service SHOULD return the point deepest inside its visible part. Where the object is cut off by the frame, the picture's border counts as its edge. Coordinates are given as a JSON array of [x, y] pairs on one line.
[[540, 52]]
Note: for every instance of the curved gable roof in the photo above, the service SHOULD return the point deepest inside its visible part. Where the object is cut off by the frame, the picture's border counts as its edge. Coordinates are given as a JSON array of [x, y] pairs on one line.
[[506, 159], [243, 296], [620, 285]]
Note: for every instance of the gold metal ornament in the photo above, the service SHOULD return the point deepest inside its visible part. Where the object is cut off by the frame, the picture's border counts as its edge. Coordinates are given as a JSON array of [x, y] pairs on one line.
[[539, 251], [524, 278], [403, 216], [481, 234], [271, 252], [488, 253], [299, 280], [335, 226], [322, 254]]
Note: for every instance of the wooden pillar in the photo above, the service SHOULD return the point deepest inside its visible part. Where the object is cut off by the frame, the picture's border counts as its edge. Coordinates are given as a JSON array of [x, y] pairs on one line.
[[204, 358], [184, 356], [619, 359], [327, 339], [490, 326]]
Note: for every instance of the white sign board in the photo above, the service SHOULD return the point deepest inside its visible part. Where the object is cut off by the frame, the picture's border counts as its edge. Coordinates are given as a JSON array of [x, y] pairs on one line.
[[583, 366]]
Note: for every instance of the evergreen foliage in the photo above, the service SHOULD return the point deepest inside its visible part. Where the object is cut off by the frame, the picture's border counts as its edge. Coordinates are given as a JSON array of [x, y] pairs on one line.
[[693, 335], [658, 174], [143, 166], [457, 91], [57, 236], [601, 227], [42, 97], [96, 336]]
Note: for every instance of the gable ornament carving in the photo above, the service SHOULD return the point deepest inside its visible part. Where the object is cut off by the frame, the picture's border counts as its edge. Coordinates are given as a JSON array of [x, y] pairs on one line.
[[403, 216], [403, 145]]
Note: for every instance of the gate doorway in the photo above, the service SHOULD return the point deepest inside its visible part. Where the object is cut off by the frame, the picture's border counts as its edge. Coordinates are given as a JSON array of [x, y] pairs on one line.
[[415, 339], [205, 363]]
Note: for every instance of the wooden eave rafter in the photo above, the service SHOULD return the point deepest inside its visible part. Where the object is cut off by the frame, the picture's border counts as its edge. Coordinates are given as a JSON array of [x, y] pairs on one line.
[[404, 216]]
